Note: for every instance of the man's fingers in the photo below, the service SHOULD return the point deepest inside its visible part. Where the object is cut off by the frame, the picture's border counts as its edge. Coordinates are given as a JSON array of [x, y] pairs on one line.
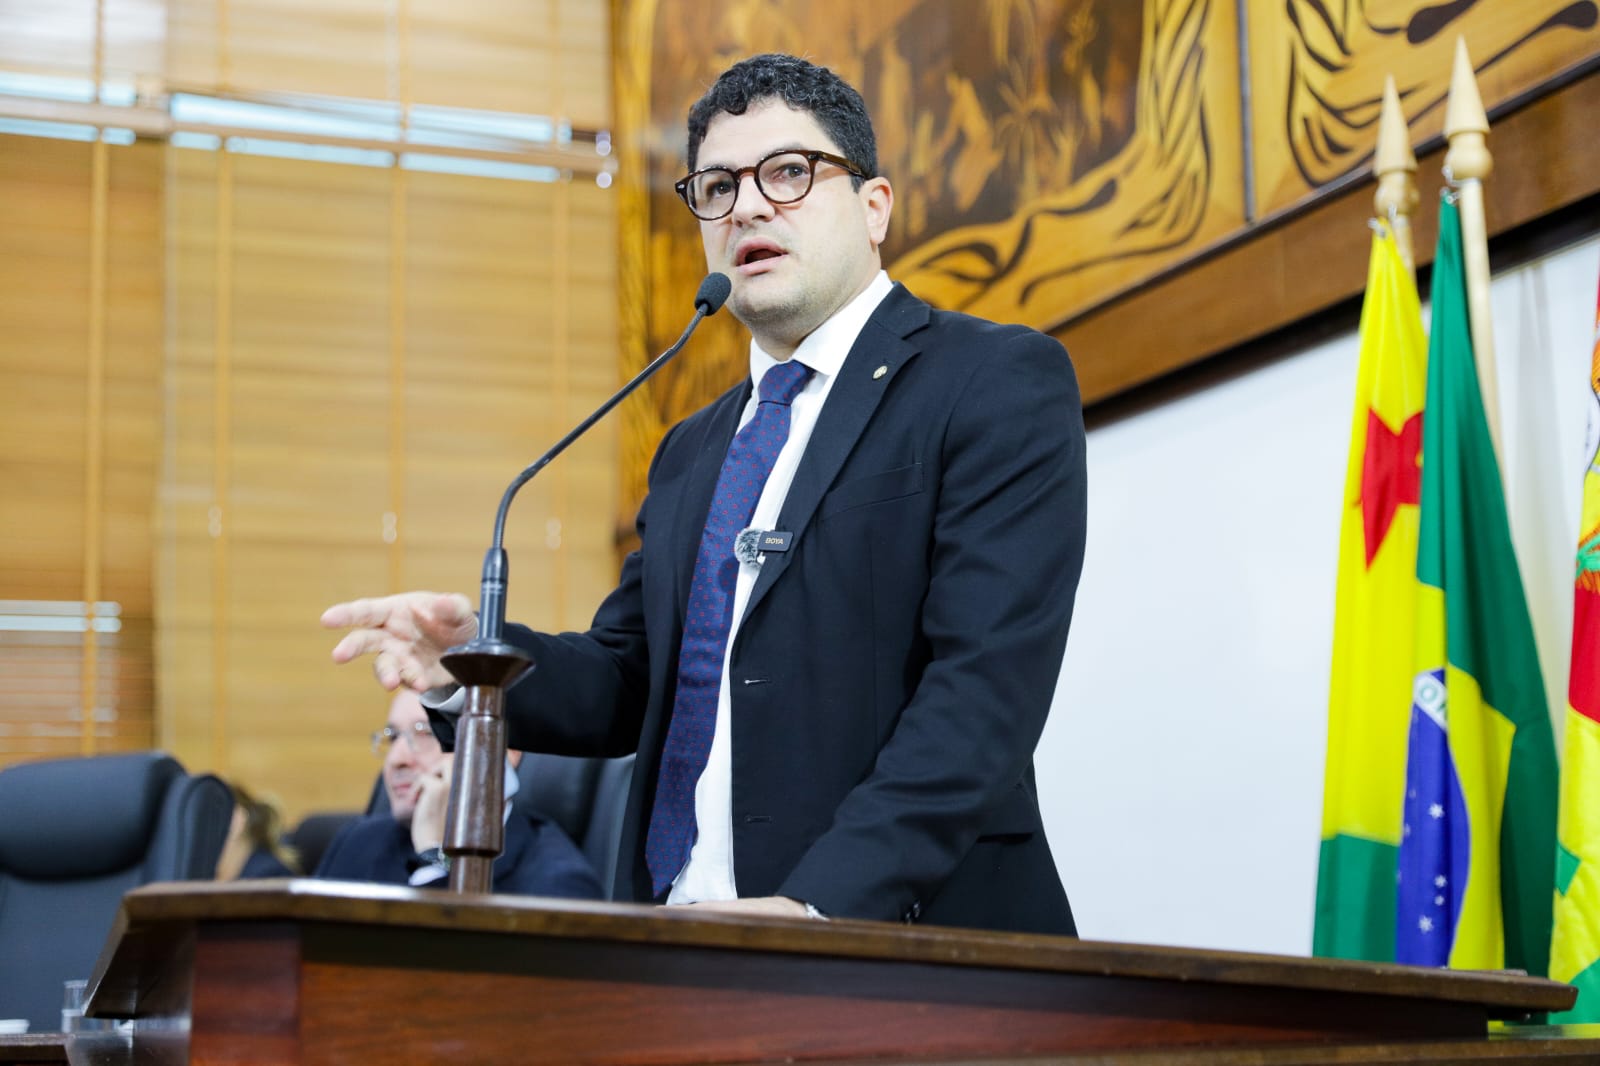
[[385, 611], [460, 607], [417, 672], [451, 613], [359, 642], [403, 625], [369, 612], [385, 670], [406, 633], [397, 665]]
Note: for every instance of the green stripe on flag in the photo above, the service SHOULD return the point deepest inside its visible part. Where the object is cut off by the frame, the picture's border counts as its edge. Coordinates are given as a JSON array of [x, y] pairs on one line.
[[1355, 900], [1566, 868], [1587, 1009]]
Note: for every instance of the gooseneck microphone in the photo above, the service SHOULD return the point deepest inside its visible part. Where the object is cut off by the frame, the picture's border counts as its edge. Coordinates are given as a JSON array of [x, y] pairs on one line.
[[713, 293], [474, 831]]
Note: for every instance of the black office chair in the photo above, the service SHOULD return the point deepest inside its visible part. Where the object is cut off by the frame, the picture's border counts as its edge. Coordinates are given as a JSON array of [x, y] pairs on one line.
[[75, 834], [585, 797], [310, 839]]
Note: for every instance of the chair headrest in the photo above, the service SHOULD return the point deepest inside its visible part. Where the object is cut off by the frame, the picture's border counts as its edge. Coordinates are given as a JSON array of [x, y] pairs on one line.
[[72, 818]]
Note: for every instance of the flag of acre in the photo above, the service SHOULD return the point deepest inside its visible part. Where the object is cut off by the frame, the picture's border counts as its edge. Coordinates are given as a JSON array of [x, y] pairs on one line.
[[1575, 947], [1370, 693], [1477, 855]]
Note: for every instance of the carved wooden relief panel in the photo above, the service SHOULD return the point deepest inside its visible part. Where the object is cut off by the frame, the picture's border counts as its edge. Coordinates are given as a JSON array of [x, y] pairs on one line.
[[1317, 70], [1056, 160]]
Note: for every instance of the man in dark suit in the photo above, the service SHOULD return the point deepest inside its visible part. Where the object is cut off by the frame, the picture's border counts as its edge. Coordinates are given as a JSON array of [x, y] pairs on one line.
[[401, 846], [836, 648]]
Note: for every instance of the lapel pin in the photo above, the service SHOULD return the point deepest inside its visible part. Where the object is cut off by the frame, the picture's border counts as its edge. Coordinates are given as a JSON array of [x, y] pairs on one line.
[[878, 373]]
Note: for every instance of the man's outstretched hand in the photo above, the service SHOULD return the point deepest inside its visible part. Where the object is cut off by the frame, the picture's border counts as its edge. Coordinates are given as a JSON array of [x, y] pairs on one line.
[[406, 634], [765, 906]]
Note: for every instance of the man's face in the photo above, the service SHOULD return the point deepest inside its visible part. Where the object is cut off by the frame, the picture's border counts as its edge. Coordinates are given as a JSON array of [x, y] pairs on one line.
[[792, 265], [413, 753]]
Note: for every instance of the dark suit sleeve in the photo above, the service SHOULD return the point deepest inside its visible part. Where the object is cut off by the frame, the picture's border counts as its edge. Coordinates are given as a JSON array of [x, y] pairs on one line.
[[588, 692], [334, 863], [547, 863], [1005, 557], [263, 863], [371, 848]]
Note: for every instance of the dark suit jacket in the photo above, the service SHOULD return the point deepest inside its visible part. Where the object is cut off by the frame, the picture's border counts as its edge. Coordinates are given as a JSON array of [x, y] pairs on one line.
[[538, 860], [895, 666], [263, 863]]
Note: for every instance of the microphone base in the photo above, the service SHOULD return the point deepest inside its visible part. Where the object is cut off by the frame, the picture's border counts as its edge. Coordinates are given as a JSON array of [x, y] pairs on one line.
[[474, 832], [487, 662]]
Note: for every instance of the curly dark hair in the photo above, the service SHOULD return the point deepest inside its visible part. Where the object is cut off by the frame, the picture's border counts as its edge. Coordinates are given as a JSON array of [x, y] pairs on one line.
[[804, 86]]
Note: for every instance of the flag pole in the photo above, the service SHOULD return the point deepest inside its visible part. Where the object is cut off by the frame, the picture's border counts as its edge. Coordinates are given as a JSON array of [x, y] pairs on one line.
[[1396, 168], [1466, 164]]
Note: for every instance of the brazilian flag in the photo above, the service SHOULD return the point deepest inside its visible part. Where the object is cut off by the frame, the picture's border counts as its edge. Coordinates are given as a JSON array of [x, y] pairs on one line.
[[1477, 859]]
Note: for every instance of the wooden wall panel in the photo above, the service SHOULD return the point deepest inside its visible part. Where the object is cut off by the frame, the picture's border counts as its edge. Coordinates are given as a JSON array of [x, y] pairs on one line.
[[45, 217], [513, 55], [489, 383], [135, 289], [522, 57], [305, 448], [47, 238], [494, 369], [318, 376], [1311, 261], [298, 46], [1317, 70], [582, 72], [49, 36], [57, 37], [1045, 206]]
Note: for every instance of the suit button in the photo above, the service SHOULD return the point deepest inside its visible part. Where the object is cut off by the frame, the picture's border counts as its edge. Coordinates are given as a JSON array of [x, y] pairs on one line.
[[913, 912]]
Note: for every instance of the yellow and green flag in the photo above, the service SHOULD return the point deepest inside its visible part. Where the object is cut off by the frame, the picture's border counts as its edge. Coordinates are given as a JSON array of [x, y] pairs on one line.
[[1575, 947], [1477, 852], [1377, 593]]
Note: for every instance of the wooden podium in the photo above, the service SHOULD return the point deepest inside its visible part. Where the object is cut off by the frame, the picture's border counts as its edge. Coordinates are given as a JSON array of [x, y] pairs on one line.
[[272, 972]]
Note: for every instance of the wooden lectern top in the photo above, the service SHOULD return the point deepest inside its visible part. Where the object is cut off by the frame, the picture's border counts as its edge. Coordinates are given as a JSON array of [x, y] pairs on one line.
[[328, 972]]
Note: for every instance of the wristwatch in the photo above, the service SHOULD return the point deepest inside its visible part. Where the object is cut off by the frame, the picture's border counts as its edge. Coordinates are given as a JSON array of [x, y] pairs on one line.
[[434, 857]]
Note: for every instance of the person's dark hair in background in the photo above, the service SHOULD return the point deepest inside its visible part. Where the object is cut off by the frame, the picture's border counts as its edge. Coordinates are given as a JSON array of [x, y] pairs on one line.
[[837, 107], [255, 846]]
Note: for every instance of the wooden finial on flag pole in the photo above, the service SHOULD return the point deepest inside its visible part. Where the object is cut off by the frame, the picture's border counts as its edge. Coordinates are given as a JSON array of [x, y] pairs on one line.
[[1466, 164], [1396, 168]]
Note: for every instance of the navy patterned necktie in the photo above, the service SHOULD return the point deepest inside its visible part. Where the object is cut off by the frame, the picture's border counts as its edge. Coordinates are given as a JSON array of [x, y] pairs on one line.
[[709, 617]]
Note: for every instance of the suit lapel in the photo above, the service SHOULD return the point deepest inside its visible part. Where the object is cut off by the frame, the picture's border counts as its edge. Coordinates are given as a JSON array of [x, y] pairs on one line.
[[854, 398], [693, 503]]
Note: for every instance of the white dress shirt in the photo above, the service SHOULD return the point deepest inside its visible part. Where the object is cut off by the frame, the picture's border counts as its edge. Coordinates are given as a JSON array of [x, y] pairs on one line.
[[708, 875]]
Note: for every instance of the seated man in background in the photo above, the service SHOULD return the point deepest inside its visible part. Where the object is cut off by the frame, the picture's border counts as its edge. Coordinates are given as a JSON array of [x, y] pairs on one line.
[[402, 846]]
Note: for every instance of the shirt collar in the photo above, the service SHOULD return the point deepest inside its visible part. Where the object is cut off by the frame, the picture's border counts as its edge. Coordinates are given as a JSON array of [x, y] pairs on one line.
[[825, 349]]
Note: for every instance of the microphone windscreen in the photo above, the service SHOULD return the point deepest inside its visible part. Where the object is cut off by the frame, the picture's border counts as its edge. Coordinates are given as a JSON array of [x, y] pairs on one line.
[[713, 294]]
